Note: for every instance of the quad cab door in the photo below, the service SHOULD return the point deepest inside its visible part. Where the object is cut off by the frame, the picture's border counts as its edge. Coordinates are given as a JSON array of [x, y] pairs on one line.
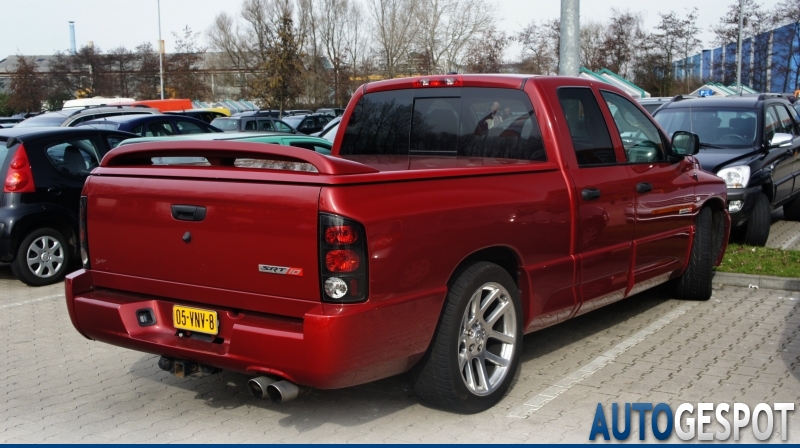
[[605, 200], [664, 192]]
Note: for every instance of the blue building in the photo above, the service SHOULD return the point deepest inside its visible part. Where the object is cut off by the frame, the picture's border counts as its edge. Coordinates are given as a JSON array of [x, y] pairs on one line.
[[770, 62]]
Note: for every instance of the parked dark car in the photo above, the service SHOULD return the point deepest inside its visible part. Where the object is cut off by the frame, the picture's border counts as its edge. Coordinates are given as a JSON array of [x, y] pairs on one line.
[[9, 122], [332, 111], [204, 115], [752, 143], [330, 129], [44, 170], [252, 123], [161, 125], [74, 117], [308, 124], [653, 103]]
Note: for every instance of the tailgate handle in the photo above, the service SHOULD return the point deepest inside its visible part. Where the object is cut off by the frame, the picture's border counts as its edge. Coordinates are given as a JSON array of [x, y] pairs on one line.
[[188, 212]]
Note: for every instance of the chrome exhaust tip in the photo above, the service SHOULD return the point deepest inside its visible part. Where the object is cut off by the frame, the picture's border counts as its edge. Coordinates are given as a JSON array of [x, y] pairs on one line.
[[258, 386], [282, 391]]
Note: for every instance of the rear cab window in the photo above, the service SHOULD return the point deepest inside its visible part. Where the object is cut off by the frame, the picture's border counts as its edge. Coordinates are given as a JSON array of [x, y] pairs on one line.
[[445, 122]]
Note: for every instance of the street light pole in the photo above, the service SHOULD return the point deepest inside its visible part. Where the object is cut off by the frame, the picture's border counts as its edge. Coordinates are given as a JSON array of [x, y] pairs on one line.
[[739, 52], [160, 52]]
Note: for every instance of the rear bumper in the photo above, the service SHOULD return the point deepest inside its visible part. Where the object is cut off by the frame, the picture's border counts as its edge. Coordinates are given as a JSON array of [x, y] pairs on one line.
[[332, 346]]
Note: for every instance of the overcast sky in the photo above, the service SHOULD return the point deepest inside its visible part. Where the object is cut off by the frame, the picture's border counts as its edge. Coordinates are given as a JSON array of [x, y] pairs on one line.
[[33, 27]]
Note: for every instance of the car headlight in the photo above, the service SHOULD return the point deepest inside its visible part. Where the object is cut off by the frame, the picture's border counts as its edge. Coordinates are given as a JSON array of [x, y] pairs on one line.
[[735, 176]]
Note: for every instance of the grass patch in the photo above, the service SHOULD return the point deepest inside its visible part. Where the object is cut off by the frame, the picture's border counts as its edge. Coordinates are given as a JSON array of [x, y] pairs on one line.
[[761, 261]]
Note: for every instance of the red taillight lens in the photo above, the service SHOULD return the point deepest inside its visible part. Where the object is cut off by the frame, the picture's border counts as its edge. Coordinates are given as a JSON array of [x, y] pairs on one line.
[[16, 181], [20, 176], [341, 260], [340, 235]]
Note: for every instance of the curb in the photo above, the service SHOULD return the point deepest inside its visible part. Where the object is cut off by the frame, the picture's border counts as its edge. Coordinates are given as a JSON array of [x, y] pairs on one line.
[[760, 281]]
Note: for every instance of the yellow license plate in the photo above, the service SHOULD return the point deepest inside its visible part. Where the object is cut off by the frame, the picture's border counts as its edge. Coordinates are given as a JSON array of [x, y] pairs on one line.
[[193, 319]]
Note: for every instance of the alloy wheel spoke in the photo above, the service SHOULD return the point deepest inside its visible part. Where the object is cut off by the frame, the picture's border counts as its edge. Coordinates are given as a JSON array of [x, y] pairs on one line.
[[502, 337], [498, 313], [483, 376], [494, 359], [469, 376], [489, 299]]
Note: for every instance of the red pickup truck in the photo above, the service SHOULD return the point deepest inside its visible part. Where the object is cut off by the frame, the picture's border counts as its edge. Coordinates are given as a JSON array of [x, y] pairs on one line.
[[455, 214]]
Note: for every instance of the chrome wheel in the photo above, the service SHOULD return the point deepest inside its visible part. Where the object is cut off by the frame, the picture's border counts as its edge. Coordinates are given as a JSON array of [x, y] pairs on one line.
[[487, 339], [45, 256]]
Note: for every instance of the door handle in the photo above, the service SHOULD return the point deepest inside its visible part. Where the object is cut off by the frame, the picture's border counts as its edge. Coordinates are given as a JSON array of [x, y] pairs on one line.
[[589, 194], [644, 187], [188, 212], [55, 191]]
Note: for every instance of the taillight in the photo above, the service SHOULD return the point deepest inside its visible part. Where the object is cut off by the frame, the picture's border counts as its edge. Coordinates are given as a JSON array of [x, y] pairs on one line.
[[84, 238], [343, 259], [20, 177]]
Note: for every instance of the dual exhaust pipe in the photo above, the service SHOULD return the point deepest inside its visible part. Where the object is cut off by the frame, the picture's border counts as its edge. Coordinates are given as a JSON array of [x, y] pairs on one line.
[[280, 391]]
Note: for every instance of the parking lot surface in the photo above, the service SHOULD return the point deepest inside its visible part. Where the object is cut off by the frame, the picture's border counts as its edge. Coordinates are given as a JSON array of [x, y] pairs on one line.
[[740, 346]]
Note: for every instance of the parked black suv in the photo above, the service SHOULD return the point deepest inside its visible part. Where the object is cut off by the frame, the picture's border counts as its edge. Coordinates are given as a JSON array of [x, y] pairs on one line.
[[751, 142], [308, 124], [43, 171], [252, 123]]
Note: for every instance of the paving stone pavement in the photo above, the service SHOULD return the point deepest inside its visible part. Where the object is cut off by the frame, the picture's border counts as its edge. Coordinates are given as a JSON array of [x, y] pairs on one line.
[[740, 346]]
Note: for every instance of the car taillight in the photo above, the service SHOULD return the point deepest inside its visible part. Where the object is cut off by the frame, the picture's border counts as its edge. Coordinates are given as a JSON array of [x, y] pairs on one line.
[[20, 177], [84, 238], [343, 259]]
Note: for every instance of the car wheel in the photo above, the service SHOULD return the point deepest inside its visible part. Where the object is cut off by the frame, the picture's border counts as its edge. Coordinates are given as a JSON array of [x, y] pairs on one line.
[[695, 282], [791, 209], [42, 258], [475, 351], [757, 231]]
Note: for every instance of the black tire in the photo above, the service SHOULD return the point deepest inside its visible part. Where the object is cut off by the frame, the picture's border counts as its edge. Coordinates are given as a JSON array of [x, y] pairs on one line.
[[440, 378], [791, 209], [695, 282], [757, 231], [42, 271]]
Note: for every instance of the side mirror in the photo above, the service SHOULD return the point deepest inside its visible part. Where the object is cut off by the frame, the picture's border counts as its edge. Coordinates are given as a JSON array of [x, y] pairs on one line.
[[781, 140], [685, 143]]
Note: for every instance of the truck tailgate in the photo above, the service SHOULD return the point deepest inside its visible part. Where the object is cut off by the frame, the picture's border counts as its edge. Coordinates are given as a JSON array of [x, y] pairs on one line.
[[132, 231]]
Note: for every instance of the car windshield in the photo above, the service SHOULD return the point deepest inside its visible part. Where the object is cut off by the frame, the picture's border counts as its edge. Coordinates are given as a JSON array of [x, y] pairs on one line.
[[716, 127], [293, 121], [44, 120], [226, 124], [330, 133]]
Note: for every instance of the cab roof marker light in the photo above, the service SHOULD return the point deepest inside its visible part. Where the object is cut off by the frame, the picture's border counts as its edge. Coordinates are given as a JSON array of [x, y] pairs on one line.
[[445, 81]]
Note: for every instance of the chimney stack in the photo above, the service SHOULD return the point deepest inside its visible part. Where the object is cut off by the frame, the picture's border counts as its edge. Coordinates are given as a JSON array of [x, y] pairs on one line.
[[72, 36]]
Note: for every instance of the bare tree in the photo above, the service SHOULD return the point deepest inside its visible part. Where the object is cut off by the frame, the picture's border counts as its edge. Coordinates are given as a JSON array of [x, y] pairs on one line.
[[788, 13], [540, 42], [622, 35], [122, 61], [395, 23], [183, 67], [592, 39], [446, 27], [756, 22], [485, 54], [333, 29], [147, 82], [27, 87]]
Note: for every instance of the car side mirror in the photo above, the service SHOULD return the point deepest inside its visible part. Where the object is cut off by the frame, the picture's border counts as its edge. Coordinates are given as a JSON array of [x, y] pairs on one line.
[[781, 140], [685, 143]]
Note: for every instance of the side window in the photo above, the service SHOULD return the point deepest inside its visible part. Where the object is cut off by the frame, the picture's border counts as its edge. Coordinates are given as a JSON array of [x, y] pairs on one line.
[[787, 124], [282, 127], [379, 124], [640, 137], [74, 157], [80, 120], [771, 124], [265, 125], [187, 127], [587, 128], [159, 129], [138, 129], [250, 125]]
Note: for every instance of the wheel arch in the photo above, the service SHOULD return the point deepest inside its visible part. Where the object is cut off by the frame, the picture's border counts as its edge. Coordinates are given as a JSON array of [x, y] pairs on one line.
[[505, 257], [29, 223], [718, 217]]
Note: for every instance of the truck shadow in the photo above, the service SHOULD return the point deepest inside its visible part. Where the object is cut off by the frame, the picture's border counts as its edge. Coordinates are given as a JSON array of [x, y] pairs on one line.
[[5, 272], [584, 327], [358, 405]]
